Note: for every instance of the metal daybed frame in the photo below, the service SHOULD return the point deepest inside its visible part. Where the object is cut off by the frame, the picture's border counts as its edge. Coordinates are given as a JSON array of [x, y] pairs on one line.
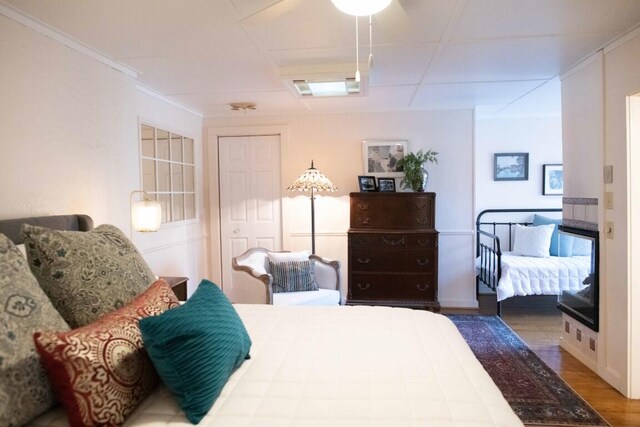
[[489, 249]]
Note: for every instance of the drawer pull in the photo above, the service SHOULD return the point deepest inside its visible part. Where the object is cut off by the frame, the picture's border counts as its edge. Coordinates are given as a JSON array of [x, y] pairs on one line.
[[420, 207], [362, 206], [421, 262], [364, 221], [422, 287], [421, 220], [364, 261], [421, 243], [364, 287], [362, 242], [389, 242]]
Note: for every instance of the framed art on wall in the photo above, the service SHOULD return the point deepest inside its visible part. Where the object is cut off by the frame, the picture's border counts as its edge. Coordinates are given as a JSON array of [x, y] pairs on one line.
[[367, 183], [387, 185], [552, 180], [380, 158], [511, 167]]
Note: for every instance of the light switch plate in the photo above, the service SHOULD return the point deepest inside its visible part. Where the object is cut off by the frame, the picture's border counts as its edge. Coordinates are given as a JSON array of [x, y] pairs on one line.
[[608, 199], [608, 174]]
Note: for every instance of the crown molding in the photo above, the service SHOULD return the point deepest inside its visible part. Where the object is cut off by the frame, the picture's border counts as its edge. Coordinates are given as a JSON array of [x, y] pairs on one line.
[[153, 93], [48, 31]]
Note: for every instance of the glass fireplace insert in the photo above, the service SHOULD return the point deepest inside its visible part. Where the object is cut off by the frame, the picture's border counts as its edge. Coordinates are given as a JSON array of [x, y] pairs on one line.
[[583, 305]]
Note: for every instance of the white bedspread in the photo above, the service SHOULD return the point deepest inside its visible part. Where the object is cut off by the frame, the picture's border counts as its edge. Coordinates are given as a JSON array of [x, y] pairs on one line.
[[344, 366], [523, 276]]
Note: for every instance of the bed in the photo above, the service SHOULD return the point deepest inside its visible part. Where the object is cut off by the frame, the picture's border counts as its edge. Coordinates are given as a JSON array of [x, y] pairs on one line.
[[509, 273], [342, 366]]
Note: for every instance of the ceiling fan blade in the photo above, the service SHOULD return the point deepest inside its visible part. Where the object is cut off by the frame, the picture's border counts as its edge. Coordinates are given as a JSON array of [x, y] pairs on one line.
[[270, 12], [394, 21]]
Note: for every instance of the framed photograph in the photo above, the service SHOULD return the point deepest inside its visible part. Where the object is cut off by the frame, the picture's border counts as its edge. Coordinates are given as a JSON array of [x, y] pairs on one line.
[[381, 157], [552, 180], [511, 167], [387, 184], [367, 183]]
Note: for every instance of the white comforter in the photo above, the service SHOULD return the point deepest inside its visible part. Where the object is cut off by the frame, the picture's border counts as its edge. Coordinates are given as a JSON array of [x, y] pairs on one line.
[[523, 276], [344, 366]]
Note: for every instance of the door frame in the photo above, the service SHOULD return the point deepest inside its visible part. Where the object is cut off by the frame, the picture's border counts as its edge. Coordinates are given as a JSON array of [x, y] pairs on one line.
[[213, 190]]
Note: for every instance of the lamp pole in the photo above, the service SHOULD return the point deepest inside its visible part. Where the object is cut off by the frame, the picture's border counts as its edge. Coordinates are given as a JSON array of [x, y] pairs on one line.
[[313, 225]]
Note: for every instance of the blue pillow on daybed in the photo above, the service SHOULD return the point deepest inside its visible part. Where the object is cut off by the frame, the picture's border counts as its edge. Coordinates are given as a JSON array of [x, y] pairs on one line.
[[561, 245], [196, 347]]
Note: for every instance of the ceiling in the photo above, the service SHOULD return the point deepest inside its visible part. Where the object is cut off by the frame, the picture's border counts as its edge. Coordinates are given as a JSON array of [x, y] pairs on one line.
[[428, 54]]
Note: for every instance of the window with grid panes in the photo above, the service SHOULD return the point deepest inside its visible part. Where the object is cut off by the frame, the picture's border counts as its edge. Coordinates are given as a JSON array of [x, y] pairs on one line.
[[168, 172]]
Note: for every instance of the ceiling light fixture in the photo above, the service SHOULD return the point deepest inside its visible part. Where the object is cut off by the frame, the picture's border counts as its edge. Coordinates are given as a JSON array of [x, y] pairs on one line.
[[237, 106], [327, 87], [362, 8]]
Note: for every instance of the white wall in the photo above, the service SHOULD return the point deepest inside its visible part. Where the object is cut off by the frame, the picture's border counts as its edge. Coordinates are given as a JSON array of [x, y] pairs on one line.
[[334, 142], [541, 137], [596, 97], [622, 80], [176, 249], [70, 143]]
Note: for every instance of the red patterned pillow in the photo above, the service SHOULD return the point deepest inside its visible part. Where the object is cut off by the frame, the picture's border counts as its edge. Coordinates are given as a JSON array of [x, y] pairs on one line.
[[100, 372]]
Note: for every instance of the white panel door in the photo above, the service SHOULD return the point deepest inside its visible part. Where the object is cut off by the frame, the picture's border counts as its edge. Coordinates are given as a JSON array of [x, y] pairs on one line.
[[250, 199]]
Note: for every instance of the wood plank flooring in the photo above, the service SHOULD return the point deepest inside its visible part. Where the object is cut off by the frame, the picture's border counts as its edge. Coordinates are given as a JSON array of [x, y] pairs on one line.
[[539, 324]]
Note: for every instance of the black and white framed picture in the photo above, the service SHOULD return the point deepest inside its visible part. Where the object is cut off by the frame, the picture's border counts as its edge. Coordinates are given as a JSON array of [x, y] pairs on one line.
[[552, 180], [511, 167], [387, 185], [367, 183], [380, 158]]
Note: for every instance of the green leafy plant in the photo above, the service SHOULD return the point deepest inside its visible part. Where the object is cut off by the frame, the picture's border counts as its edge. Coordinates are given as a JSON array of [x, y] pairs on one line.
[[412, 165]]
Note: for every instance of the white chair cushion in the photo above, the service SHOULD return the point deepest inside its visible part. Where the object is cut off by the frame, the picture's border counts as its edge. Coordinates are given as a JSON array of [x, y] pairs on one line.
[[288, 256], [319, 297]]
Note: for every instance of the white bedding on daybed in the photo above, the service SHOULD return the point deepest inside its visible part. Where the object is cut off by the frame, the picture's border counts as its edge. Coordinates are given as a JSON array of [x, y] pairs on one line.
[[344, 366], [523, 275]]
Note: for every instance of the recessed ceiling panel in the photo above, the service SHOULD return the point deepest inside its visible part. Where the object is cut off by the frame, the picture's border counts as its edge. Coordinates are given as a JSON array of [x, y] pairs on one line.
[[126, 28], [483, 19], [268, 102], [207, 74], [468, 95], [387, 98], [512, 59]]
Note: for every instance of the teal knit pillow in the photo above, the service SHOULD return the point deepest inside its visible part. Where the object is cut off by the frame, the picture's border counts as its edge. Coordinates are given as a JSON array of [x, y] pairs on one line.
[[196, 347], [293, 276]]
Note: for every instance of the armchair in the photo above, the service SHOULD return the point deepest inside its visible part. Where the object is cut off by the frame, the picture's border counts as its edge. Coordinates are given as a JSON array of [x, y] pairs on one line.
[[256, 286]]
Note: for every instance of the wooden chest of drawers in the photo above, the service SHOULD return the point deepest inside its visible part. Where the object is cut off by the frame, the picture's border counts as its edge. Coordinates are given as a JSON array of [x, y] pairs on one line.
[[393, 250]]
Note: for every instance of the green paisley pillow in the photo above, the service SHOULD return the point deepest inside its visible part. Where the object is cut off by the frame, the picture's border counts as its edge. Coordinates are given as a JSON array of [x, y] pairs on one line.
[[86, 274], [24, 309]]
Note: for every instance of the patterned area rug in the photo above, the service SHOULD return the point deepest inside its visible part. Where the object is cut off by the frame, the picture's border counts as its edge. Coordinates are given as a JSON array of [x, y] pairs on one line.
[[535, 392]]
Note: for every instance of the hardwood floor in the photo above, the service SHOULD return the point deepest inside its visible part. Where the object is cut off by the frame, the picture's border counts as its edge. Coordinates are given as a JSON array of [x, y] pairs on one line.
[[539, 324]]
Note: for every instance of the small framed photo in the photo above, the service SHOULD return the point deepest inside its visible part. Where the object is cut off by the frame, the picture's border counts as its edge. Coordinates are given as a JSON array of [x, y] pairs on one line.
[[367, 183], [552, 180], [511, 167], [381, 157], [387, 184]]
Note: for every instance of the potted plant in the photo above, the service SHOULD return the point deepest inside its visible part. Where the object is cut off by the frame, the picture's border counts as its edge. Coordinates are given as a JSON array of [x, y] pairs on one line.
[[412, 165]]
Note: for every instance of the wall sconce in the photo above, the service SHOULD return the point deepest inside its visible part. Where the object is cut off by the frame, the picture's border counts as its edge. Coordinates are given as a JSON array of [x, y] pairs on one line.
[[146, 214]]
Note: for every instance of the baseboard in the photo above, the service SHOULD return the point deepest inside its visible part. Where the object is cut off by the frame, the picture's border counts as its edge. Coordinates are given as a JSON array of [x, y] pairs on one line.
[[458, 303]]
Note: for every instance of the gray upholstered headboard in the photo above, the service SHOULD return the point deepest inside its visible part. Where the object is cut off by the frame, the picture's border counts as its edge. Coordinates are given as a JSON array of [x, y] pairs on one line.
[[12, 227]]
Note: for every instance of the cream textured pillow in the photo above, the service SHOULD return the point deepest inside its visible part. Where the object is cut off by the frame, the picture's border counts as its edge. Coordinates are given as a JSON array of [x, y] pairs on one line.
[[533, 241]]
